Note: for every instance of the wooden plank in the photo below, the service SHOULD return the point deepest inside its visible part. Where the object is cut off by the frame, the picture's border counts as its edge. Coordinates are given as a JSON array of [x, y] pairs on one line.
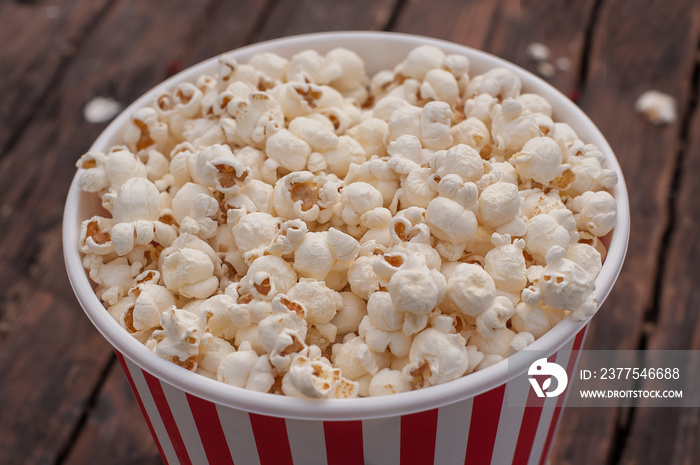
[[42, 210], [37, 40], [50, 363], [52, 356], [228, 25], [637, 46], [115, 432], [678, 325], [468, 23], [560, 26], [290, 17], [123, 58]]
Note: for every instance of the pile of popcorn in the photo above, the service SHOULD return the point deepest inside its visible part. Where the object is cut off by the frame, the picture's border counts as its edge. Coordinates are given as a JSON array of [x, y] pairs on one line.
[[294, 226]]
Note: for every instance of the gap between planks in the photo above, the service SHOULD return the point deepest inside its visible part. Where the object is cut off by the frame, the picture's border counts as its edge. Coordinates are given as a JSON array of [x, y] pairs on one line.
[[57, 77], [89, 406], [625, 417]]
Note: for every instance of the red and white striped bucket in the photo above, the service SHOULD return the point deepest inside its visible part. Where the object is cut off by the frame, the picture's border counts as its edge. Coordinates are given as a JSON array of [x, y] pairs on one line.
[[480, 430], [196, 420]]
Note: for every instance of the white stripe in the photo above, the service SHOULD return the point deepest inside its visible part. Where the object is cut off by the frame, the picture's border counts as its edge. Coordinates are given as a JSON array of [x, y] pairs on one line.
[[381, 441], [510, 420], [548, 409], [152, 412], [453, 432], [239, 435], [307, 442], [182, 414]]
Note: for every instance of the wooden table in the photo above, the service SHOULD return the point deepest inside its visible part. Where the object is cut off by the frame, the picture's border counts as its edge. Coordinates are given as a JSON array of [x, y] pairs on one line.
[[65, 399]]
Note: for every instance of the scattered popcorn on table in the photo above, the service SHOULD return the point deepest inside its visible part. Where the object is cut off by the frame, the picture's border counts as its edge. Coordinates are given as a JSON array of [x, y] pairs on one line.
[[658, 108], [538, 52], [100, 109], [294, 226]]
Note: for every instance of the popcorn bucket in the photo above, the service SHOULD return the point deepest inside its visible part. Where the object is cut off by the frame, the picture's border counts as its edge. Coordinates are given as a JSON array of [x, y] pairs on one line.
[[483, 429], [196, 420]]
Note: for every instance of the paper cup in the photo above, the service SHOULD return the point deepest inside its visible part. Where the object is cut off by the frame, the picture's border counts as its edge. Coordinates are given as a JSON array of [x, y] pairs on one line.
[[195, 420]]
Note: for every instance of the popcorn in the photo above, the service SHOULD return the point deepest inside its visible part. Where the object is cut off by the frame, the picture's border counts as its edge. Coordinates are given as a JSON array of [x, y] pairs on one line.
[[246, 369], [355, 359], [461, 160], [189, 266], [420, 61], [352, 80], [145, 131], [449, 215], [216, 350], [435, 125], [440, 85], [313, 379], [470, 289], [151, 300], [499, 203], [595, 212], [512, 126], [437, 355], [95, 237], [252, 230], [349, 316], [227, 315], [340, 158], [291, 225], [505, 263], [283, 332], [288, 150], [321, 303], [114, 278], [217, 168], [195, 202], [498, 82], [557, 227], [302, 195], [658, 108], [587, 257], [474, 133], [181, 337], [110, 170], [309, 65], [565, 285], [539, 160], [388, 381]]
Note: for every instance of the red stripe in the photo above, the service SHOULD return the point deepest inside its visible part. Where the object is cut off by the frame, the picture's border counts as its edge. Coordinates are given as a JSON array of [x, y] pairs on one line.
[[210, 431], [167, 416], [560, 402], [486, 412], [271, 440], [343, 442], [528, 426], [140, 402], [418, 435]]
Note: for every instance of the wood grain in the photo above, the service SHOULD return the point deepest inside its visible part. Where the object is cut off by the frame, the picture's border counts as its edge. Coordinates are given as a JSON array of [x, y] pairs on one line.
[[113, 62], [561, 26], [63, 410], [678, 326], [115, 430], [638, 46], [37, 41], [52, 356], [467, 23], [50, 363], [96, 441], [291, 17]]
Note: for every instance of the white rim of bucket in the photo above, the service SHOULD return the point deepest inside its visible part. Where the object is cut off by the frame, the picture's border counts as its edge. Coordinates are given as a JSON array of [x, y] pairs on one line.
[[381, 44]]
